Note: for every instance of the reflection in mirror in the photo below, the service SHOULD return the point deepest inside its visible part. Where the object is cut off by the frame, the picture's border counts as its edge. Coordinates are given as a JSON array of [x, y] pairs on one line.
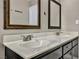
[[22, 14], [54, 15], [33, 12]]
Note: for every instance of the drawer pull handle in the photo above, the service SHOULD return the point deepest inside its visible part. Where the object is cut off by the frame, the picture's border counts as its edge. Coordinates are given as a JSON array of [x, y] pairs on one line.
[[66, 46]]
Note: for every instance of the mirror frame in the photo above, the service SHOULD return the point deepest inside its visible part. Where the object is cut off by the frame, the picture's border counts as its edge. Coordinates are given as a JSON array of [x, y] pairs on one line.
[[7, 24], [49, 26]]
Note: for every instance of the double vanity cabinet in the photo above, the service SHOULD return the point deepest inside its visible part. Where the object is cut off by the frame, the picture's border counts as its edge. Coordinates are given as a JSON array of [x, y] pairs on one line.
[[67, 48], [65, 51]]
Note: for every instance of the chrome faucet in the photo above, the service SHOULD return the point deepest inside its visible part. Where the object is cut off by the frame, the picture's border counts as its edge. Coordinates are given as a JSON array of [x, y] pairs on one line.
[[58, 33], [27, 38]]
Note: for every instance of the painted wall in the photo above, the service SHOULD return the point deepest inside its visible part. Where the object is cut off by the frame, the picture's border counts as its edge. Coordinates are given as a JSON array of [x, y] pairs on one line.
[[70, 13], [44, 23]]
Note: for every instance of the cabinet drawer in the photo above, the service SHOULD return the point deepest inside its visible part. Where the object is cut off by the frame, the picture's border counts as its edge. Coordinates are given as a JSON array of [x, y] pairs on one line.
[[67, 47], [75, 42]]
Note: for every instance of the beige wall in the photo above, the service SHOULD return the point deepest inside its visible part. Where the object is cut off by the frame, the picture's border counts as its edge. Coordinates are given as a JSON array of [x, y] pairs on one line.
[[44, 23], [70, 12]]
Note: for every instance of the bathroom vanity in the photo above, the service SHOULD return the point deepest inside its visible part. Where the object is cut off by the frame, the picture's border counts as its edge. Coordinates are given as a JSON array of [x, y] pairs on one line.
[[52, 47]]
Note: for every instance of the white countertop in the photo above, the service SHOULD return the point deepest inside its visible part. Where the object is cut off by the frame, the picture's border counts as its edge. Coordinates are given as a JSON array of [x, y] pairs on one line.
[[28, 53]]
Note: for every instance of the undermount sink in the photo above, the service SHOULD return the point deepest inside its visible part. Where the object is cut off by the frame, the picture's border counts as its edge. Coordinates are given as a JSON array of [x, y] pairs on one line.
[[66, 35], [35, 43]]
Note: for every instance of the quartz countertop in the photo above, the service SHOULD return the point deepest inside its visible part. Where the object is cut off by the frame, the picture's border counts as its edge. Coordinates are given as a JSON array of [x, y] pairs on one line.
[[28, 53]]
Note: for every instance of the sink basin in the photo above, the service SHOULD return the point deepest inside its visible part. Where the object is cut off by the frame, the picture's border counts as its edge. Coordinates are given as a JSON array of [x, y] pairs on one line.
[[35, 43], [66, 35]]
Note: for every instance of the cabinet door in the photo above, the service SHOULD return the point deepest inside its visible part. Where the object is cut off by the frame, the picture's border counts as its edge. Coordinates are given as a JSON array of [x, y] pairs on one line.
[[9, 54], [75, 52], [67, 56], [54, 55]]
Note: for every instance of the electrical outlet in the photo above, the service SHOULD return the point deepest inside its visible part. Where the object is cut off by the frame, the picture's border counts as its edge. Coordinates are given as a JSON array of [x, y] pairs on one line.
[[77, 21]]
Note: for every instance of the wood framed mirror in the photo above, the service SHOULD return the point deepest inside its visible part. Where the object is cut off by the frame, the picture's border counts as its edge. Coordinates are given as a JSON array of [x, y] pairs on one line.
[[54, 14], [22, 14]]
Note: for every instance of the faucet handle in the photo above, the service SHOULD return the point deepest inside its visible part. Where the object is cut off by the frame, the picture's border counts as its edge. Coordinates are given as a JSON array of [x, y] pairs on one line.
[[23, 36], [31, 36]]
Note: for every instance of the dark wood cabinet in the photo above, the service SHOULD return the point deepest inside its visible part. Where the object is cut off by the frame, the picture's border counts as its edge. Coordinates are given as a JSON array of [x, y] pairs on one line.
[[68, 50], [9, 54]]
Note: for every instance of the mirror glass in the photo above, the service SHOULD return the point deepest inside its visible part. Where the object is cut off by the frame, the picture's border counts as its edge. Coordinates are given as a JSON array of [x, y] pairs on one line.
[[24, 13], [54, 14]]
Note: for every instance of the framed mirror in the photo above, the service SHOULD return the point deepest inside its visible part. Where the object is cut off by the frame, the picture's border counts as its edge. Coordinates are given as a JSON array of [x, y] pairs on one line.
[[22, 14], [54, 14]]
